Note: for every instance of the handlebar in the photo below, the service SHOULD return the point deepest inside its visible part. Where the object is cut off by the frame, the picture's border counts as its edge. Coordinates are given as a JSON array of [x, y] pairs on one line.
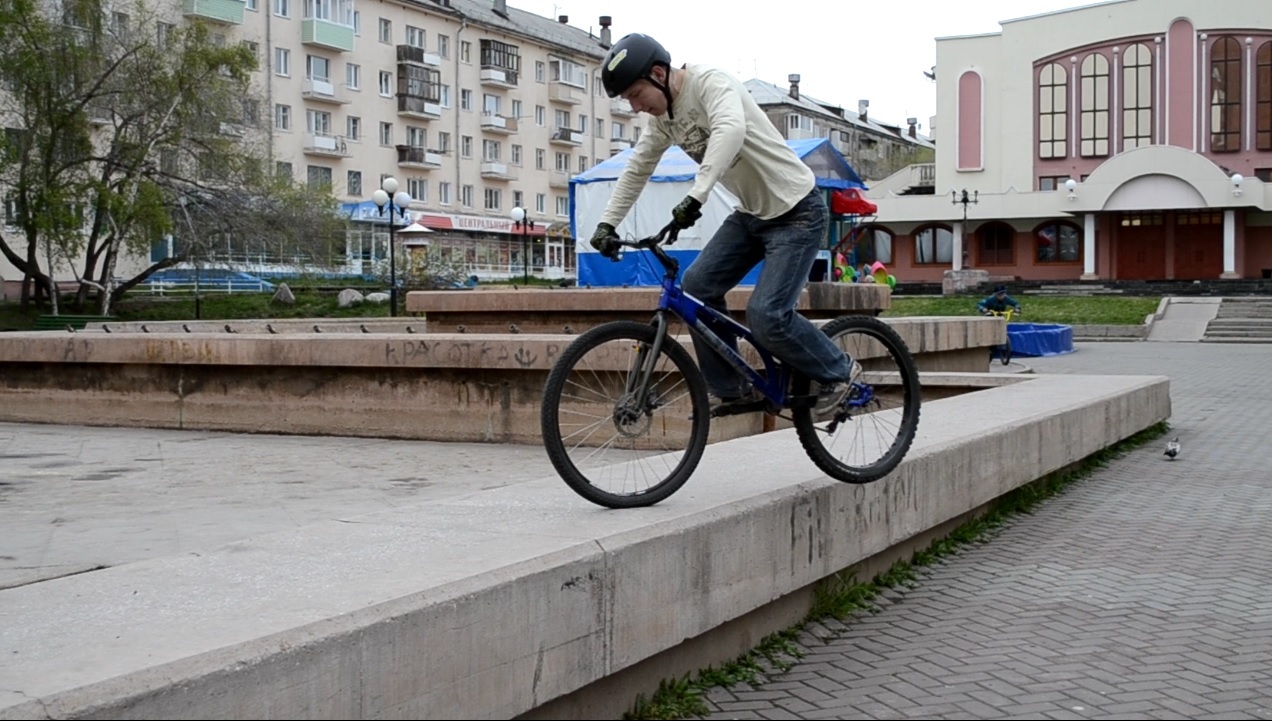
[[654, 243]]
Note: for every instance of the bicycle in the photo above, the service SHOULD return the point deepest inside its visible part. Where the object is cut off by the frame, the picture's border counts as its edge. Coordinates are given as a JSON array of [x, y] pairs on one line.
[[1002, 351], [626, 417]]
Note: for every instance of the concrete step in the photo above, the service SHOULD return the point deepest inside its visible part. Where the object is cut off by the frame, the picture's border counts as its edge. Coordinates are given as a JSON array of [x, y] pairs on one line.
[[1241, 323], [1238, 334], [1209, 339]]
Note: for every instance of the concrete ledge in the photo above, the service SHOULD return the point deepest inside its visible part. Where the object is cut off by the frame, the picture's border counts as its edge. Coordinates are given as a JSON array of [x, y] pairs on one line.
[[438, 386], [576, 309], [492, 604], [1111, 332]]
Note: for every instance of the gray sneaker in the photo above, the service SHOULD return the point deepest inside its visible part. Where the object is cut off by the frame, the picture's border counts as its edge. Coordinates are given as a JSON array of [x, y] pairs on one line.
[[831, 396]]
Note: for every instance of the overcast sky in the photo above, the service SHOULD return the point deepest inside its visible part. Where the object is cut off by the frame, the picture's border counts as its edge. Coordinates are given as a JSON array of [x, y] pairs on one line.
[[843, 50]]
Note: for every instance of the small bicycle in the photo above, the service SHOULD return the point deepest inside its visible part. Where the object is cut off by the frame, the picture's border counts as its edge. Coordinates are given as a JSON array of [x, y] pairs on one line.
[[1003, 351], [625, 415]]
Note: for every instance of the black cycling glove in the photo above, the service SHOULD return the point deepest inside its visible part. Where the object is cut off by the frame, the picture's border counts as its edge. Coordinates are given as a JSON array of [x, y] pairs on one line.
[[603, 240], [687, 213]]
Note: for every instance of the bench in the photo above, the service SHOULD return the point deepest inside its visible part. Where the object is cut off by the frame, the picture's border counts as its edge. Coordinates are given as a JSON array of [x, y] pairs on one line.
[[69, 322]]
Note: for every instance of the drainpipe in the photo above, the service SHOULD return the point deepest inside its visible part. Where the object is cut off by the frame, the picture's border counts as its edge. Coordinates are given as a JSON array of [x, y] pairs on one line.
[[456, 138], [269, 86]]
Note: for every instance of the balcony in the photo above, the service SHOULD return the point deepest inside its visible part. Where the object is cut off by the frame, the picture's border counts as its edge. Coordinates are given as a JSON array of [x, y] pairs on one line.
[[497, 171], [567, 136], [492, 123], [228, 12], [322, 91], [417, 56], [559, 179], [618, 145], [410, 156], [497, 77], [98, 115], [413, 106], [326, 34], [331, 146], [559, 92], [619, 106]]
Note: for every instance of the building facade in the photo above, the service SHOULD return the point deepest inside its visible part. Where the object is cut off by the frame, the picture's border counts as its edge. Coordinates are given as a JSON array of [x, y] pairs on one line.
[[474, 107], [1125, 140]]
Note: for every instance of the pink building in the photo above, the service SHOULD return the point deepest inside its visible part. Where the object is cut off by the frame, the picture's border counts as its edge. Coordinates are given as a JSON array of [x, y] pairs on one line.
[[1124, 140]]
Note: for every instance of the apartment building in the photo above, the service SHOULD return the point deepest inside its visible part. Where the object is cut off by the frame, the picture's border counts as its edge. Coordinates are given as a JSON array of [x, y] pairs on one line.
[[874, 149], [473, 106], [1123, 140]]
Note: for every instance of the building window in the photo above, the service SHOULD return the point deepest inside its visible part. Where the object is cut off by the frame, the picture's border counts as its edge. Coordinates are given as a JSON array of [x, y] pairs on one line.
[[415, 37], [443, 46], [1225, 95], [490, 151], [353, 128], [1053, 88], [466, 196], [317, 68], [1137, 97], [416, 137], [417, 188], [444, 193], [283, 170], [465, 146], [493, 198], [353, 186], [540, 115], [386, 84], [282, 8], [995, 243], [540, 71], [465, 53], [282, 117], [873, 244], [443, 142], [465, 99], [386, 133], [282, 61], [1051, 182], [1263, 97], [1058, 243], [516, 157], [1093, 141], [319, 177], [386, 31], [353, 76], [563, 162], [934, 244], [540, 203], [495, 54], [539, 156], [562, 206]]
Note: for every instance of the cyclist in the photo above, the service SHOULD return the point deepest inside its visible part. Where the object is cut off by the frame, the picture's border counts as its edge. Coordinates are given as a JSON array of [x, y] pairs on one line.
[[780, 218], [998, 302]]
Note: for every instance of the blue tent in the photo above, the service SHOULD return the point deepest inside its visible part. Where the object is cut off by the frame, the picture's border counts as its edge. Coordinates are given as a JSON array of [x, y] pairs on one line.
[[671, 180]]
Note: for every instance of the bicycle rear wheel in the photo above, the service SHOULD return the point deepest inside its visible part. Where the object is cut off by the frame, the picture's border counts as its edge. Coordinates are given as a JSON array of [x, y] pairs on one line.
[[609, 445], [871, 432], [1005, 352]]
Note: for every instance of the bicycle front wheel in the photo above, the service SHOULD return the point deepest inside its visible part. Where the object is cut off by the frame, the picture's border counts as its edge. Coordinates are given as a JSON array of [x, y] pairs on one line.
[[869, 434], [621, 427]]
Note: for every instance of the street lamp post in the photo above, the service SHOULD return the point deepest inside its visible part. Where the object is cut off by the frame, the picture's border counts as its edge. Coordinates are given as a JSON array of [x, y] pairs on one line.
[[525, 224], [389, 198]]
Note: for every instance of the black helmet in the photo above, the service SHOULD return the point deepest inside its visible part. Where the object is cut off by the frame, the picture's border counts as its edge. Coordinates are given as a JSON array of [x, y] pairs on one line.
[[631, 59]]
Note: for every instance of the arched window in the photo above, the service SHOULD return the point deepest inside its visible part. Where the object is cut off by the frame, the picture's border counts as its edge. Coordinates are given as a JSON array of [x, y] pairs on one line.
[[874, 244], [1137, 97], [1263, 97], [1057, 242], [1094, 139], [933, 244], [1225, 95], [1053, 89], [995, 244]]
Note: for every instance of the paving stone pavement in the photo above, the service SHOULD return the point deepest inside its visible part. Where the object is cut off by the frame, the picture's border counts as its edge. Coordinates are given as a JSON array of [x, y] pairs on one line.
[[1141, 592]]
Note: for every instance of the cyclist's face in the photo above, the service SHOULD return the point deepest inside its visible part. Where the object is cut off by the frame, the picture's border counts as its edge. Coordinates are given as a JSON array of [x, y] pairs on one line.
[[645, 98]]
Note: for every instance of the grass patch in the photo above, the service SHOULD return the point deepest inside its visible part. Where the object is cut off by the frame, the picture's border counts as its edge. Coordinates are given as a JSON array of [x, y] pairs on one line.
[[842, 596], [1074, 310]]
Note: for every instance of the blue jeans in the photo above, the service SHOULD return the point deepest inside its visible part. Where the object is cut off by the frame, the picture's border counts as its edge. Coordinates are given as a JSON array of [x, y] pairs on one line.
[[788, 245]]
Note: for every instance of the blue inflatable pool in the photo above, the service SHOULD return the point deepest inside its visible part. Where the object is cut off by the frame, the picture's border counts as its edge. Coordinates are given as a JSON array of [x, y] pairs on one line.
[[1040, 339]]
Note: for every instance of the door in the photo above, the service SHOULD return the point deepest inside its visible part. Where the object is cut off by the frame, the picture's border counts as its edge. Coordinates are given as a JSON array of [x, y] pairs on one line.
[[1140, 244]]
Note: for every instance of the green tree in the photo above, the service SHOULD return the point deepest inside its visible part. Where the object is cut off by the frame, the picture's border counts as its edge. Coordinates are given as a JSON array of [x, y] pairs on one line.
[[125, 129]]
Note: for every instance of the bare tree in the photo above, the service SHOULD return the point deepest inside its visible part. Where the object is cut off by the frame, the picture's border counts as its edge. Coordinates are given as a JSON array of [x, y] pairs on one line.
[[125, 130]]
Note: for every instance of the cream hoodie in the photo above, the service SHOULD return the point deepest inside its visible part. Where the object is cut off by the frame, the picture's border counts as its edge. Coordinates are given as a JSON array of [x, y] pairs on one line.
[[720, 126]]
